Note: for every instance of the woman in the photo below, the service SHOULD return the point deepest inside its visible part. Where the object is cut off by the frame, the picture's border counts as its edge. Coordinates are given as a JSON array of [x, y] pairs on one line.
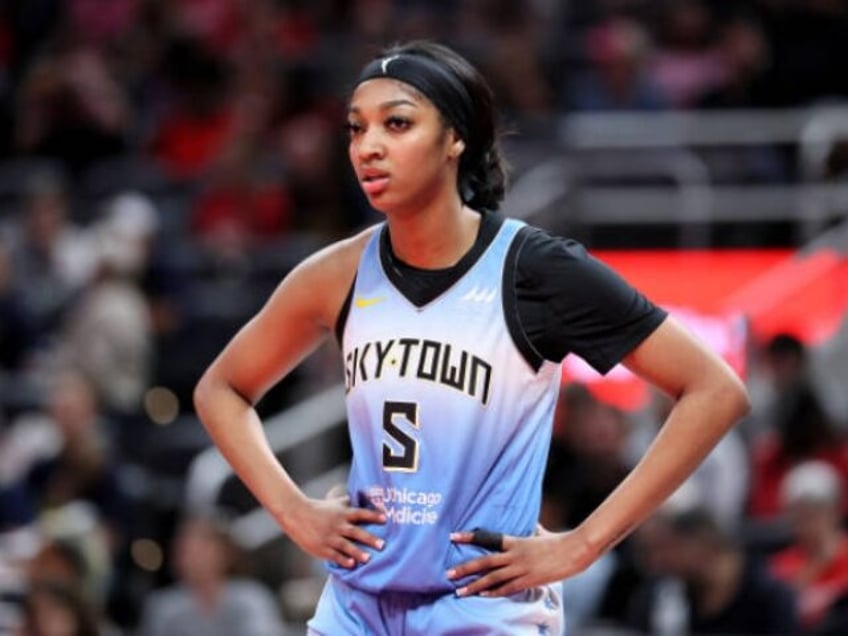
[[54, 609], [452, 322], [209, 596]]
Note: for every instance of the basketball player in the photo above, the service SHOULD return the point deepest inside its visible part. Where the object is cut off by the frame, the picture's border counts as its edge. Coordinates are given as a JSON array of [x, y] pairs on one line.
[[453, 322]]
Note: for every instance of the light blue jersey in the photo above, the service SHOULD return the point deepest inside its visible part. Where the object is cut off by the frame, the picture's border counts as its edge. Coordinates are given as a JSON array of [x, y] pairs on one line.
[[450, 425]]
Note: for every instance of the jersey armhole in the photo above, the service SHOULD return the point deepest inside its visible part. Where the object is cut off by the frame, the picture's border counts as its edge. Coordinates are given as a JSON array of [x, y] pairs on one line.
[[341, 320], [510, 304]]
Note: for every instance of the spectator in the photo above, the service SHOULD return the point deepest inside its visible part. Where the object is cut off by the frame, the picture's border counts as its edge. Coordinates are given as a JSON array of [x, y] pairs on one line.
[[816, 563], [190, 136], [310, 157], [207, 599], [75, 551], [786, 361], [71, 108], [744, 55], [745, 59], [780, 363], [108, 332], [101, 23], [53, 609], [618, 79], [241, 203], [51, 256], [801, 431], [587, 459], [584, 465], [724, 590], [720, 483], [218, 25], [16, 329], [82, 468], [508, 40], [686, 64]]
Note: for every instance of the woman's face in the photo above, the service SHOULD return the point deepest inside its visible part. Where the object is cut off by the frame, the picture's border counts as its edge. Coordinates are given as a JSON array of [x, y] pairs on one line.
[[200, 555], [404, 156]]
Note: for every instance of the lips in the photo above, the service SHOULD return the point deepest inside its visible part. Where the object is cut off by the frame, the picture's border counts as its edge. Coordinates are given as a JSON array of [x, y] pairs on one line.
[[374, 181]]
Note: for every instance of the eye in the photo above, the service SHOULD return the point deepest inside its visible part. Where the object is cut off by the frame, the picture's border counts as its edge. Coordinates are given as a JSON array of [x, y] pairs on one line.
[[397, 123], [353, 128]]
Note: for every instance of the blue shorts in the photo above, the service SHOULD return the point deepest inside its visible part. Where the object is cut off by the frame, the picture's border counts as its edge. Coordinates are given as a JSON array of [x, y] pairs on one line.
[[347, 611]]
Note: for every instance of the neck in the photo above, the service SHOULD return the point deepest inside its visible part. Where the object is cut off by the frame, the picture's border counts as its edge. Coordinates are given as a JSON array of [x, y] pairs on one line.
[[434, 237], [208, 592]]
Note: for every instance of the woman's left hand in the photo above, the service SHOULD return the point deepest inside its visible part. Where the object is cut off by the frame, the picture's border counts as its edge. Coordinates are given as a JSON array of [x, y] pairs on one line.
[[523, 562]]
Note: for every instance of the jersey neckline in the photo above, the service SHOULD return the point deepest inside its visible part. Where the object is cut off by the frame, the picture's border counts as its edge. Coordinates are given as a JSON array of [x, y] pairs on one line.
[[422, 286]]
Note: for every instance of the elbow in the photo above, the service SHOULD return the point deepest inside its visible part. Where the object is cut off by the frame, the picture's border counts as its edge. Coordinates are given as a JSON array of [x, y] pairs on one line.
[[735, 397], [213, 391], [201, 394], [205, 392]]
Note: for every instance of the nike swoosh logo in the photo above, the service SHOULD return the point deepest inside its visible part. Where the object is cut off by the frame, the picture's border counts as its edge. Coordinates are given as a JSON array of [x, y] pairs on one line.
[[362, 303]]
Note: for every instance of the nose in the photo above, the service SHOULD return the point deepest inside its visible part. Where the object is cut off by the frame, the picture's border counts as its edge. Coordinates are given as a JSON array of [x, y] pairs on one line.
[[369, 145]]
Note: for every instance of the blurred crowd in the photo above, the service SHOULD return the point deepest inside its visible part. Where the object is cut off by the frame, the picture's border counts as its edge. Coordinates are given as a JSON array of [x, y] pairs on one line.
[[164, 162]]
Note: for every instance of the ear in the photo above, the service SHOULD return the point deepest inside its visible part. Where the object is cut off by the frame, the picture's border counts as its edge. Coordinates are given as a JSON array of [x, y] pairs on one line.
[[457, 146]]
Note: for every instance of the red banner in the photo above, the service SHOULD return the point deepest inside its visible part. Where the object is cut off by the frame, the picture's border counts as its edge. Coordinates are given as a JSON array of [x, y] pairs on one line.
[[727, 297]]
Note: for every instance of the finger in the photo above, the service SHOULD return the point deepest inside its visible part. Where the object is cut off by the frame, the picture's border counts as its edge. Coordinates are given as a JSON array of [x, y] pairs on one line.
[[364, 515], [492, 580], [339, 558], [357, 534], [350, 549], [462, 537], [481, 564], [508, 588]]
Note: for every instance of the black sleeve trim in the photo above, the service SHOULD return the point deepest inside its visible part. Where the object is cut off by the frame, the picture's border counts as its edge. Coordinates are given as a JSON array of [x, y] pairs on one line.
[[637, 336], [570, 302], [510, 303], [341, 321]]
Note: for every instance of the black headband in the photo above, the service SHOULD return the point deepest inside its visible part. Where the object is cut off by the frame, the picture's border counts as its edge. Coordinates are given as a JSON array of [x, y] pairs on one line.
[[433, 80]]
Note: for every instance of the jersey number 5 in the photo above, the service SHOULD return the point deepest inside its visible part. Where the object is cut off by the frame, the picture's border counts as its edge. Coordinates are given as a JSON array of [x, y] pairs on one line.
[[407, 459]]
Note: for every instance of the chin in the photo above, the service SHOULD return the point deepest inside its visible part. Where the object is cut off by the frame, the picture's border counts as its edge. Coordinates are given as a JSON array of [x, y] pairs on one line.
[[387, 208]]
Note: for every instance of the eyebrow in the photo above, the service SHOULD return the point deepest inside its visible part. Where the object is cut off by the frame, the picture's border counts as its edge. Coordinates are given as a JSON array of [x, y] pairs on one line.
[[388, 105]]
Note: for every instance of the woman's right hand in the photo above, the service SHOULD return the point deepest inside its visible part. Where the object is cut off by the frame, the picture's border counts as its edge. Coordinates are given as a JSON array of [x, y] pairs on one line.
[[330, 529]]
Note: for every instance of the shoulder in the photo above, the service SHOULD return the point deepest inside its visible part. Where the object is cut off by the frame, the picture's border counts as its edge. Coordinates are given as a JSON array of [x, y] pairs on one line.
[[166, 602], [330, 272], [538, 250], [253, 599], [562, 270], [547, 261], [248, 589], [341, 257]]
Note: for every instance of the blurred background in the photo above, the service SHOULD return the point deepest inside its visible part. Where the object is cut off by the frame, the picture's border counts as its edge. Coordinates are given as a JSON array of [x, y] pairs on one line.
[[163, 164]]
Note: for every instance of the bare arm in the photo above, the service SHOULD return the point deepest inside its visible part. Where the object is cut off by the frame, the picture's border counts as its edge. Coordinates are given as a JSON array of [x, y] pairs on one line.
[[709, 399], [292, 324], [267, 348]]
